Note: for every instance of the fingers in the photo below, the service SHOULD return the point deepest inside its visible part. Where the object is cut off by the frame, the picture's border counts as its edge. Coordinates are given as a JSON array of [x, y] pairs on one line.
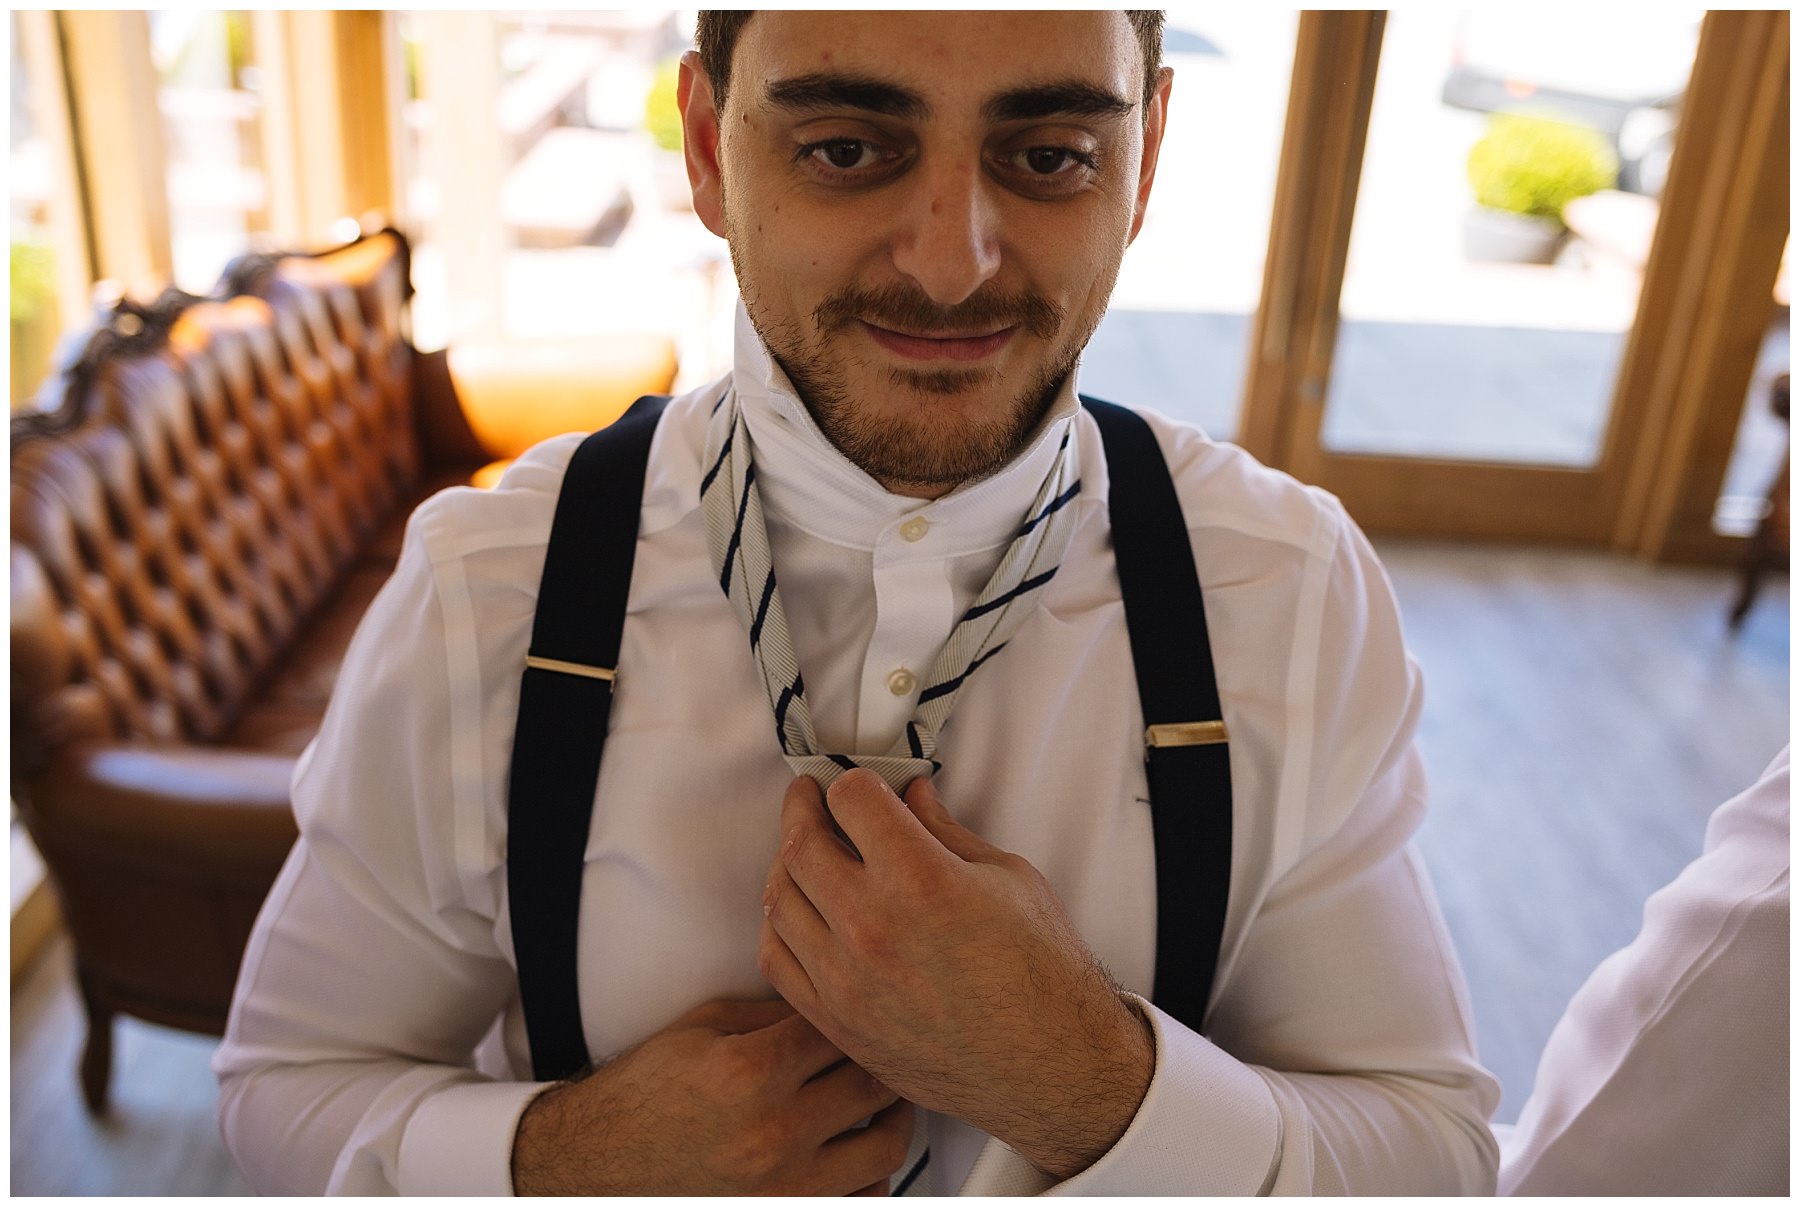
[[784, 972], [876, 1151], [787, 1040], [731, 1016], [793, 915], [822, 867], [840, 1099], [794, 932], [923, 801], [797, 1047], [874, 818]]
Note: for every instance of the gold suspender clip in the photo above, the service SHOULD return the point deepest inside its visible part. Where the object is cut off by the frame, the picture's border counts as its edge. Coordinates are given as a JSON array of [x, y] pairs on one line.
[[1188, 733], [570, 668]]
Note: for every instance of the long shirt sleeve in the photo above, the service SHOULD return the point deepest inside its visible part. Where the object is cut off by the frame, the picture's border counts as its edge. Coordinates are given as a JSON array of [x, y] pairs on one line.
[[370, 980], [1338, 1055], [377, 1043], [1668, 1072]]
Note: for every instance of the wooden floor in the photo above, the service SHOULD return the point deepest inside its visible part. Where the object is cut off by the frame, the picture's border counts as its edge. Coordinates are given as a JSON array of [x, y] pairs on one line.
[[161, 1136], [1584, 715]]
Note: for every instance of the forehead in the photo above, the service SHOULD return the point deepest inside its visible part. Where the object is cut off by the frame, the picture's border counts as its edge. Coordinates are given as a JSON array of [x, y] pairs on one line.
[[949, 58]]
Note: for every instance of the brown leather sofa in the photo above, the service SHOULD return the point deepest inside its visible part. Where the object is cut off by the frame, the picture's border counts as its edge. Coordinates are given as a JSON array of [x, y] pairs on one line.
[[196, 530]]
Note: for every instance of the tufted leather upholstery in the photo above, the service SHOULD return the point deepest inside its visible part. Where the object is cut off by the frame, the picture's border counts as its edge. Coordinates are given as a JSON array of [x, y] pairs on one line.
[[188, 563]]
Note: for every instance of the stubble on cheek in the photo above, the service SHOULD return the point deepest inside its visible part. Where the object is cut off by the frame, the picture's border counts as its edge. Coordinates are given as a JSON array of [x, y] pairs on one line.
[[916, 427]]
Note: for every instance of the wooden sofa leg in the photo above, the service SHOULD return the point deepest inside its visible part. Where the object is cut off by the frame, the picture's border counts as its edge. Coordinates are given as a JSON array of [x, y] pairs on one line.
[[96, 1057]]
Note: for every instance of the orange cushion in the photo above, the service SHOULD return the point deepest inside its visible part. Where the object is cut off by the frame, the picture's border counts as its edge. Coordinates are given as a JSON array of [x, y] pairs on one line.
[[519, 392]]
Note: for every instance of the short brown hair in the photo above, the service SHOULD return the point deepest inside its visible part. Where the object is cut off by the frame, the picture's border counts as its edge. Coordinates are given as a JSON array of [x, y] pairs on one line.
[[716, 34]]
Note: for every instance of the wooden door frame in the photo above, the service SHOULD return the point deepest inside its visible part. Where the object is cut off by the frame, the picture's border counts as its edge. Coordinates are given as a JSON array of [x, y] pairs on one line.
[[116, 129], [53, 110], [328, 129], [1295, 326], [329, 121], [1698, 333], [1702, 311]]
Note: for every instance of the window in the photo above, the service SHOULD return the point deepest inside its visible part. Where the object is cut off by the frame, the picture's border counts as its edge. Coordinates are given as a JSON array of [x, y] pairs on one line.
[[207, 92], [543, 178], [36, 321]]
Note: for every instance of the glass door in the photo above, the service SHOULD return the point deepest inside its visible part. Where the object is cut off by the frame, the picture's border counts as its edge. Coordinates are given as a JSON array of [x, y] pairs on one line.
[[1482, 244], [1173, 338]]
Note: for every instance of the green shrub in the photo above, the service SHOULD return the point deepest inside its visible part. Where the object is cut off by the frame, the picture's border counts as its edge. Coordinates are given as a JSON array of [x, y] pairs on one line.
[[33, 279], [1536, 165], [662, 116]]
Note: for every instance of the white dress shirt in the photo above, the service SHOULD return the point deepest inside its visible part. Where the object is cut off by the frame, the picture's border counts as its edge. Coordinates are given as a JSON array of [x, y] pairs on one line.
[[363, 1053], [1668, 1073]]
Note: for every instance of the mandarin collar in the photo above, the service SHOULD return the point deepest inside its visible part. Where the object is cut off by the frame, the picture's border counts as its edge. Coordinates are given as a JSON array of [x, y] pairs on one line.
[[807, 483]]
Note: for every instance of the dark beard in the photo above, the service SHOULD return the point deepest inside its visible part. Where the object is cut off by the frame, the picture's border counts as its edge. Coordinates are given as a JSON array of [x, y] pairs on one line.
[[928, 449], [933, 447]]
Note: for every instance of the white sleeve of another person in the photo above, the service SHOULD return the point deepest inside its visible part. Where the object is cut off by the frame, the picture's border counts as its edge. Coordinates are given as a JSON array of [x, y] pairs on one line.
[[1668, 1073]]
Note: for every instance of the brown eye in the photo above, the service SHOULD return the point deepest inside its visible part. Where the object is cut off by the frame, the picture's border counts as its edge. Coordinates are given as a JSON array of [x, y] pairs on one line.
[[1046, 160], [843, 153]]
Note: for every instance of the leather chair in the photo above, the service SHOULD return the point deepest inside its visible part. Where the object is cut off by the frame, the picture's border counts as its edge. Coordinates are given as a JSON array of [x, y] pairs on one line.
[[197, 526]]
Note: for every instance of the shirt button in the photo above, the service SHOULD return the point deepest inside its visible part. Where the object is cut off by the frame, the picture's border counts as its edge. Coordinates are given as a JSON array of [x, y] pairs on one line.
[[915, 528], [902, 682]]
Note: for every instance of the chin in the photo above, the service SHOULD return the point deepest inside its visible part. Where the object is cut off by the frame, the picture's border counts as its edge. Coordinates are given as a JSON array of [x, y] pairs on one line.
[[932, 436], [949, 383]]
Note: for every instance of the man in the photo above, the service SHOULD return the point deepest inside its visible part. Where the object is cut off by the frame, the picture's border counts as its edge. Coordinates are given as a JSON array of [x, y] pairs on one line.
[[927, 212], [1668, 1072]]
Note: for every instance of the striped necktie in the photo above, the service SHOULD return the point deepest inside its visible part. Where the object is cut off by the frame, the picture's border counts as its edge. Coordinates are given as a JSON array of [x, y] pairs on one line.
[[739, 542]]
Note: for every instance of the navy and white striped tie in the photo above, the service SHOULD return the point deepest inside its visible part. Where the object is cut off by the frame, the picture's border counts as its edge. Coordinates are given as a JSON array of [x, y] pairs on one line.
[[739, 542], [732, 504]]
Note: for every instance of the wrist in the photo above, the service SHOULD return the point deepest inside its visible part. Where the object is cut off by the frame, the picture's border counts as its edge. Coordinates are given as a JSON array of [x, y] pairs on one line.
[[1122, 1080], [1097, 1105], [531, 1141], [555, 1130]]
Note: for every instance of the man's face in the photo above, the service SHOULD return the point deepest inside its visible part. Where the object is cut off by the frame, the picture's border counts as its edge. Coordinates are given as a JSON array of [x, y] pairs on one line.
[[926, 212]]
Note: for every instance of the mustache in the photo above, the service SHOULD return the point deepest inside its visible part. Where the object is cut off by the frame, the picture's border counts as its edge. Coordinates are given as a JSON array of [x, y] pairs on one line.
[[898, 307]]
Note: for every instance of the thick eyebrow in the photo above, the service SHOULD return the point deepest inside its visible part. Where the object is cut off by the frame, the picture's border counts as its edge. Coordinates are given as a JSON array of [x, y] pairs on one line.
[[836, 90], [1063, 98]]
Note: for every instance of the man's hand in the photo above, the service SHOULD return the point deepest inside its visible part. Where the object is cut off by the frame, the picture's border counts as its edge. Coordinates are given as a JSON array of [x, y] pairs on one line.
[[733, 1098], [948, 968]]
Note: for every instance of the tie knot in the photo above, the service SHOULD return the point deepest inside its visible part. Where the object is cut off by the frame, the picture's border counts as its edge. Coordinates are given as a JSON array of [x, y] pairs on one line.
[[738, 541]]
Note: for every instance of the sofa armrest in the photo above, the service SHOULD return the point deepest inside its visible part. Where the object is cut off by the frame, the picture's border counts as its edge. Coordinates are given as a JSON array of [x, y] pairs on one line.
[[215, 814], [445, 437], [517, 392]]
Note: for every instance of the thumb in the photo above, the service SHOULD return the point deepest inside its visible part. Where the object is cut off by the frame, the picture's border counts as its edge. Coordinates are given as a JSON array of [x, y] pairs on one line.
[[921, 797]]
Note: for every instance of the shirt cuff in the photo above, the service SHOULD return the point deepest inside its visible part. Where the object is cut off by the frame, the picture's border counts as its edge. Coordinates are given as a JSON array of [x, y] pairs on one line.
[[459, 1141], [1207, 1126]]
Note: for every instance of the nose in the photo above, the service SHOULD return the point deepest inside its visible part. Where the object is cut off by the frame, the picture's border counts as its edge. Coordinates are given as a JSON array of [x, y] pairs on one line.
[[949, 239]]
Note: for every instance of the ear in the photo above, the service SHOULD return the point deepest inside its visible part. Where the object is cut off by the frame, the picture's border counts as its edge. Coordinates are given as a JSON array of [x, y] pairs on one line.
[[1155, 121], [700, 141]]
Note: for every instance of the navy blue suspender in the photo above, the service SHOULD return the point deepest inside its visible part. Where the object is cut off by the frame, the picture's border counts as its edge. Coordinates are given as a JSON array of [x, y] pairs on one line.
[[566, 699], [1188, 767]]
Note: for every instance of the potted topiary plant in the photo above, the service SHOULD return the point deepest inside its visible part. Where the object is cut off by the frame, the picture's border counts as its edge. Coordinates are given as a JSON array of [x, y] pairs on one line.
[[1524, 170]]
